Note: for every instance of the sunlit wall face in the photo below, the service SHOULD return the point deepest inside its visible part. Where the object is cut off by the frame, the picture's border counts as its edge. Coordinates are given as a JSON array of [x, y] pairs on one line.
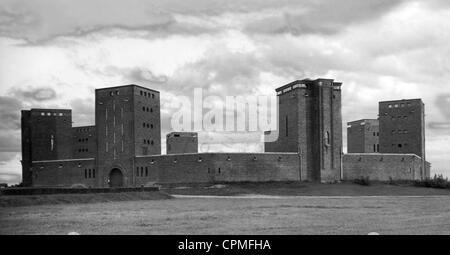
[[55, 53]]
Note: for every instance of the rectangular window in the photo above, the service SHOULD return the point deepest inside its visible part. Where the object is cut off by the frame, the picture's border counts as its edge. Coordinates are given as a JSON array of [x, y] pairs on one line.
[[287, 126], [146, 171], [85, 174], [137, 171], [93, 173]]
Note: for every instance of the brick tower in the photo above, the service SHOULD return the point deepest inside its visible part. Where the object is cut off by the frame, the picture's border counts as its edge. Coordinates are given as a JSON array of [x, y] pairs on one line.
[[127, 125], [402, 127], [310, 123], [363, 136], [46, 135]]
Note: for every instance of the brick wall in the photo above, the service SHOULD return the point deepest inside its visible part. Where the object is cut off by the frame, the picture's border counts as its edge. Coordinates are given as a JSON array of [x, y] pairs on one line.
[[381, 167], [65, 173], [217, 167]]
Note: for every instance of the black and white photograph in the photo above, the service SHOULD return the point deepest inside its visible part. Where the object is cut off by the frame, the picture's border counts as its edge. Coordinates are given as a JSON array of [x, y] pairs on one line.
[[224, 117]]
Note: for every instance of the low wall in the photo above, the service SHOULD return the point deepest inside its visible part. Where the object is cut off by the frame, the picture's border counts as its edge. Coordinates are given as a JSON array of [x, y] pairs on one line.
[[217, 167], [382, 167], [64, 173], [50, 190]]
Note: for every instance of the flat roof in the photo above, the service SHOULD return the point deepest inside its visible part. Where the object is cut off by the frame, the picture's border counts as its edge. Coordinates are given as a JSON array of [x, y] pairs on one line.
[[84, 126], [363, 120], [383, 154], [48, 109], [62, 160], [182, 133], [307, 81], [401, 100], [219, 153], [129, 85]]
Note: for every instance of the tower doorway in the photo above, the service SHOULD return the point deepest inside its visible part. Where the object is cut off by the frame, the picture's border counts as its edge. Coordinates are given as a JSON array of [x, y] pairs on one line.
[[115, 178]]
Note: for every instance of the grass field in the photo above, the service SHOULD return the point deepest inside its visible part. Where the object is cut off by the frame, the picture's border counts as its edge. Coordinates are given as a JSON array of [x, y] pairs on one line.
[[397, 214]]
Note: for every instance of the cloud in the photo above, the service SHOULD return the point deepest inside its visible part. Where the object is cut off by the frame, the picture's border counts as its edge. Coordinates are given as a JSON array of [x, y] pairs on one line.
[[379, 49], [40, 21], [9, 113], [35, 94]]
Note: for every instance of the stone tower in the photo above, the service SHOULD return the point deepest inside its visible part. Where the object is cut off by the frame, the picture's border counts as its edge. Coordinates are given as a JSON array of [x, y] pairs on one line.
[[310, 123], [46, 135], [363, 136], [182, 142], [402, 127], [127, 125]]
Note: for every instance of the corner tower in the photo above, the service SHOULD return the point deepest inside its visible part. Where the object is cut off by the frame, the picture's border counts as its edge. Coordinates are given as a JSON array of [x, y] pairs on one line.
[[46, 135], [310, 123], [127, 125]]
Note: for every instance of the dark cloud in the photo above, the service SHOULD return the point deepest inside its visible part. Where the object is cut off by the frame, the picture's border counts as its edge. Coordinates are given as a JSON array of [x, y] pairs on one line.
[[39, 21], [35, 94], [323, 17]]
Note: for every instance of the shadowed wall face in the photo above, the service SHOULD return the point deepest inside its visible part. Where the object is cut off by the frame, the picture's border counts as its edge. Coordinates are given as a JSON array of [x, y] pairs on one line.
[[84, 142], [182, 142], [383, 167], [402, 128], [310, 123], [217, 167], [363, 136], [46, 135]]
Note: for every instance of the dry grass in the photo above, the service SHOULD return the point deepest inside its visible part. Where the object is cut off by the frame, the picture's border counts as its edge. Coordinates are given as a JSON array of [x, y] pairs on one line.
[[301, 215], [305, 189], [29, 200]]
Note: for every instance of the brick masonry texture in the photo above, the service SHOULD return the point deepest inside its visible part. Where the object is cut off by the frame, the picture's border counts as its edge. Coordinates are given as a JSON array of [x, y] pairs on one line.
[[310, 123], [123, 148], [217, 167], [383, 167], [363, 136], [182, 142]]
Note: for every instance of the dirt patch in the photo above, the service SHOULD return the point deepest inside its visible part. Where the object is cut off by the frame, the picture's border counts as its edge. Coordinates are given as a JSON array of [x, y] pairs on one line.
[[304, 189], [9, 201]]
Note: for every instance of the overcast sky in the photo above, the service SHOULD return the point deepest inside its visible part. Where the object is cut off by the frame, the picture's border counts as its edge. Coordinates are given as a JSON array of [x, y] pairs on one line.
[[55, 53]]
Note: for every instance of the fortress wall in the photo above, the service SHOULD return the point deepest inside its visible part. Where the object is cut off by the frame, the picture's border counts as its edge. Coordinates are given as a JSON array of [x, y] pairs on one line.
[[217, 167], [381, 167], [64, 173]]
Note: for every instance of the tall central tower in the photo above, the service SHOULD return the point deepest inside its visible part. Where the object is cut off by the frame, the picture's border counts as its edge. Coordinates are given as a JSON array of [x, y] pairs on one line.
[[128, 124], [310, 123]]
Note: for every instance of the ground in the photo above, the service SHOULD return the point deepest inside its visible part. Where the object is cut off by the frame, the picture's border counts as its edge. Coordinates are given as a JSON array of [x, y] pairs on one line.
[[286, 213]]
